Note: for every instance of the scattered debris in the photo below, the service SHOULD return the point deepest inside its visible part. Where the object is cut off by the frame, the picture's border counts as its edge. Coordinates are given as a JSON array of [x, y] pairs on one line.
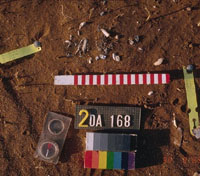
[[117, 37], [97, 58], [190, 45], [62, 12], [149, 14], [189, 9], [101, 56], [196, 174], [174, 120], [82, 25], [102, 14], [140, 49], [68, 55], [79, 46], [37, 44], [91, 12], [84, 46], [196, 132], [189, 68], [151, 93], [71, 37], [90, 60], [158, 62], [116, 57], [137, 38], [131, 41], [105, 33], [68, 42], [104, 2], [177, 133], [104, 46]]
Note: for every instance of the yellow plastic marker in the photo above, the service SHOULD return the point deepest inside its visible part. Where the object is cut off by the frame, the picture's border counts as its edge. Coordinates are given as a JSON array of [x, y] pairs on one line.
[[191, 98], [19, 53], [102, 159]]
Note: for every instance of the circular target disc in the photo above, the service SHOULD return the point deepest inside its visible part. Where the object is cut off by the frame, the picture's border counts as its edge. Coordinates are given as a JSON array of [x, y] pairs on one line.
[[56, 127], [48, 149]]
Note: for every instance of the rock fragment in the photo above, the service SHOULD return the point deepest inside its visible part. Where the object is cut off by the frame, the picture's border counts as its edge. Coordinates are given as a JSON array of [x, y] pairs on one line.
[[158, 62], [105, 33], [82, 24], [102, 56], [116, 57]]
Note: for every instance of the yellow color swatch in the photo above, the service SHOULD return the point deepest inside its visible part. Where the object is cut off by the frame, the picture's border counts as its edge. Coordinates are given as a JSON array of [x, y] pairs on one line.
[[19, 53], [191, 99], [102, 159]]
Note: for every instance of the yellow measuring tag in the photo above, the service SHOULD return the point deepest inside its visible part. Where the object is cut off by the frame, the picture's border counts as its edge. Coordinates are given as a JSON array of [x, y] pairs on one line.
[[19, 53], [191, 100]]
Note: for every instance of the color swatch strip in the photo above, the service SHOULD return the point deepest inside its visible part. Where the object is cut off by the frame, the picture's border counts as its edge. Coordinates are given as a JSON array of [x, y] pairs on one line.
[[109, 160], [112, 79], [111, 142]]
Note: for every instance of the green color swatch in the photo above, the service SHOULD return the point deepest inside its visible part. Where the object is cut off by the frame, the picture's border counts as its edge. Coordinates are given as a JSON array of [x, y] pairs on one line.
[[191, 99], [19, 53], [110, 160]]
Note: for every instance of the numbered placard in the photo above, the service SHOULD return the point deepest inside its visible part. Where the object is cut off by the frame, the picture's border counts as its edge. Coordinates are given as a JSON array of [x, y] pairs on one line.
[[107, 117]]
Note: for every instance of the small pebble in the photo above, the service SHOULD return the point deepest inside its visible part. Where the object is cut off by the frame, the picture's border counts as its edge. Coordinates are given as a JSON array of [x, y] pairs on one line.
[[68, 55], [190, 45], [198, 24], [105, 32], [158, 62], [37, 44], [140, 49], [97, 58], [82, 25], [188, 9], [102, 13], [137, 38], [116, 57], [189, 68], [131, 42], [117, 37], [102, 56], [68, 42], [90, 60], [150, 93], [196, 132]]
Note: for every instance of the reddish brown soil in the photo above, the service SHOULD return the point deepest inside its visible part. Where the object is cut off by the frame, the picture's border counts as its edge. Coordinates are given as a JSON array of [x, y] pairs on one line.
[[27, 92]]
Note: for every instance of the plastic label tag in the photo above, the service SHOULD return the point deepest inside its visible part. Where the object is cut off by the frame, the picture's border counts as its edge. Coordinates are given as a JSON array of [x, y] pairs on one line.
[[19, 53], [191, 100]]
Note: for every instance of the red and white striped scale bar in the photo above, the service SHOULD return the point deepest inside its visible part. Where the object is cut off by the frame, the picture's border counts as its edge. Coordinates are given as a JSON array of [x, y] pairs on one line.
[[112, 79]]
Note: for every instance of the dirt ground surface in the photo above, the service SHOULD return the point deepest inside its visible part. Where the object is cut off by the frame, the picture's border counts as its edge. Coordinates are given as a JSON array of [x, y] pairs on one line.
[[167, 28]]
